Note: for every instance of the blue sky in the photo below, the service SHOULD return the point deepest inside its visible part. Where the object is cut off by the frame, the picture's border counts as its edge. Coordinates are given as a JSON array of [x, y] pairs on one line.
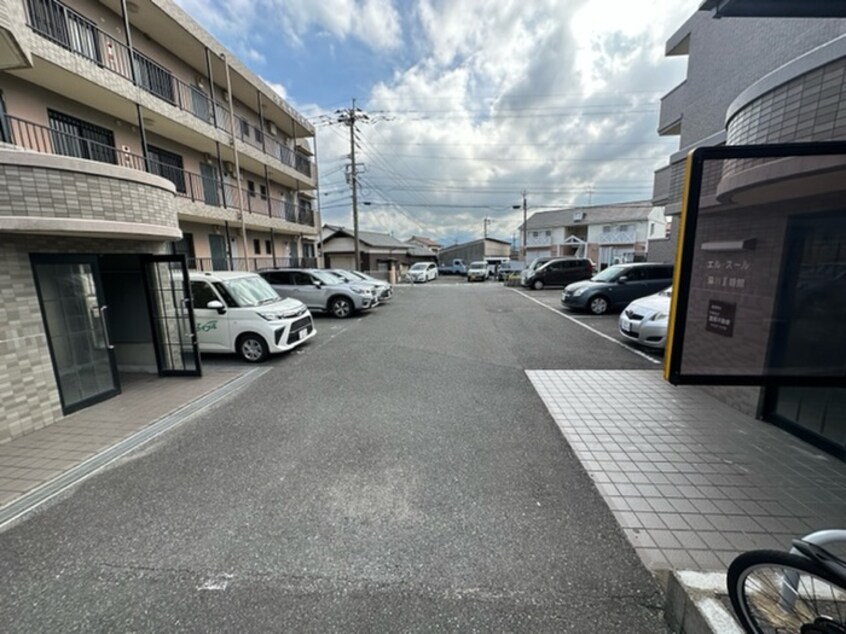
[[472, 100]]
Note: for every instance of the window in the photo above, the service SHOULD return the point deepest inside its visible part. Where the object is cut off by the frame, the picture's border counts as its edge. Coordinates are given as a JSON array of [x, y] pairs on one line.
[[257, 246], [251, 189], [308, 250], [637, 274], [280, 278], [268, 248], [65, 27], [624, 228], [74, 137], [263, 192], [651, 228], [547, 233], [202, 294], [245, 129], [184, 247], [534, 234], [167, 165], [259, 135], [302, 279], [660, 273], [606, 229], [154, 78]]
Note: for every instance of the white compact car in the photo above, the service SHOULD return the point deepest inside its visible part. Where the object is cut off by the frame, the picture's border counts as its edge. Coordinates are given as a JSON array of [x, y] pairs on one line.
[[423, 272], [644, 321], [241, 313]]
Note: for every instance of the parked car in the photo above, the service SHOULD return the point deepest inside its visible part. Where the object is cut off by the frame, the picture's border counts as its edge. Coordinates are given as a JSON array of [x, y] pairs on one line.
[[385, 289], [559, 272], [509, 268], [320, 290], [644, 321], [533, 266], [377, 286], [241, 313], [477, 272], [423, 272], [617, 286]]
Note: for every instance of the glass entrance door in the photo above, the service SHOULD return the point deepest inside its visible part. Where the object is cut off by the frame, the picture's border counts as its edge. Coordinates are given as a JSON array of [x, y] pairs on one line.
[[74, 313], [171, 315]]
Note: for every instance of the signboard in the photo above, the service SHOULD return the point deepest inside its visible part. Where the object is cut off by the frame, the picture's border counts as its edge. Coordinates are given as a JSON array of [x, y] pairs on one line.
[[760, 288]]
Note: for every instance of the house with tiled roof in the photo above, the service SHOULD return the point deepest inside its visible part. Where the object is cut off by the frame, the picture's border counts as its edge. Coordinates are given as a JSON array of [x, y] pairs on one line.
[[607, 234], [380, 252], [428, 243]]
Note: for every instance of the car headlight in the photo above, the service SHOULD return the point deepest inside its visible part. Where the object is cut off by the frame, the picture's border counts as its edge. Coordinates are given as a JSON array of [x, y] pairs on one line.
[[361, 290], [282, 314], [578, 291], [659, 316]]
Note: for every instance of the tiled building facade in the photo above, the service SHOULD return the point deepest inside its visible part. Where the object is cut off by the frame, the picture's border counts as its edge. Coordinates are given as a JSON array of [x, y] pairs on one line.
[[127, 132], [788, 88]]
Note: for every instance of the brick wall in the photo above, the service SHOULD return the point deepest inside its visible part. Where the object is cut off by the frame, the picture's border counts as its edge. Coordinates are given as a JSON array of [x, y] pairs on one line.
[[49, 192], [28, 387]]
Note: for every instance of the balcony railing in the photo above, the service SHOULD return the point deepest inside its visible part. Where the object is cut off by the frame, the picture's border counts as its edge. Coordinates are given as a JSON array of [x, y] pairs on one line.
[[67, 28], [208, 189], [538, 241], [255, 263], [618, 237]]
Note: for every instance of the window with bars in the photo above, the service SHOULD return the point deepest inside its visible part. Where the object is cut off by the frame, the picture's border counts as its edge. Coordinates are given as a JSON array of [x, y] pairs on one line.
[[78, 138], [167, 165]]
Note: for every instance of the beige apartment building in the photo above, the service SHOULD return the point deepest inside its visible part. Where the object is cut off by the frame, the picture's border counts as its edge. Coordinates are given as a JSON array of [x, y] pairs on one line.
[[127, 135]]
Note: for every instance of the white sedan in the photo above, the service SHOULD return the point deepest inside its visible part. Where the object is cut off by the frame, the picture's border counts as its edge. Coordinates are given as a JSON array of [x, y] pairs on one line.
[[423, 272], [644, 321]]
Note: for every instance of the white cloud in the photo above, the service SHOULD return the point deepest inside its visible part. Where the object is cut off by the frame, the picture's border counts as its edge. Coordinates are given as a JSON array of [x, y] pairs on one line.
[[560, 97]]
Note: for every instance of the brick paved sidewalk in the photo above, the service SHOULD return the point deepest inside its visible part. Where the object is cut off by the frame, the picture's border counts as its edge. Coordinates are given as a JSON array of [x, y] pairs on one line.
[[31, 460]]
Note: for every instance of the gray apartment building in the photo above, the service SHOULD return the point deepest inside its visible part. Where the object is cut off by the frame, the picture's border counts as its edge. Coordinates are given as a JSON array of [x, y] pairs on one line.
[[127, 135], [759, 80]]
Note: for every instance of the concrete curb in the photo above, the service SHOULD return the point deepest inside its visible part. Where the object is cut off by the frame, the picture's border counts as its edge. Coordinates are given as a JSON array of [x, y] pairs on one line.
[[693, 605]]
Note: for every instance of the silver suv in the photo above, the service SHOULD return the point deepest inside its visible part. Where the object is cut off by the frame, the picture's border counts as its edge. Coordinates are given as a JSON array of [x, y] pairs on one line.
[[381, 290], [320, 290]]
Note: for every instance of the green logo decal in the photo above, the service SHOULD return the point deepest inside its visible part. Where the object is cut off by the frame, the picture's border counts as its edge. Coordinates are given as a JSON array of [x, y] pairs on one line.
[[209, 325]]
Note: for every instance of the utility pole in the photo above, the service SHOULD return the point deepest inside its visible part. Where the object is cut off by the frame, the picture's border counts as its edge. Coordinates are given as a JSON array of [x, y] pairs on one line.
[[525, 229], [349, 118]]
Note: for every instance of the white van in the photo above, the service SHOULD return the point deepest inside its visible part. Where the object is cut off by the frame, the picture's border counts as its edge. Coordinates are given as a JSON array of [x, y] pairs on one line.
[[241, 313]]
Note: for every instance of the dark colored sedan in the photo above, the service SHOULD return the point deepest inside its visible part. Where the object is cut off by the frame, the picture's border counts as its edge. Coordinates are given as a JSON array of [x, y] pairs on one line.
[[616, 286]]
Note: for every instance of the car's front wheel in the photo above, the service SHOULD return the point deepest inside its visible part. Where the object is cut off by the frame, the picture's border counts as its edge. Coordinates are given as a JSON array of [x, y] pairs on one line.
[[252, 348], [598, 305], [537, 285], [341, 307]]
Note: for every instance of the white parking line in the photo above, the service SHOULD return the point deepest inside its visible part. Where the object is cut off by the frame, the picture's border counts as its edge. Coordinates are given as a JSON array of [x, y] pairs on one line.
[[584, 325]]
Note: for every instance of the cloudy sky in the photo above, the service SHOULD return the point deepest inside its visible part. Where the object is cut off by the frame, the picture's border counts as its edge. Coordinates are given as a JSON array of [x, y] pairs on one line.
[[470, 101]]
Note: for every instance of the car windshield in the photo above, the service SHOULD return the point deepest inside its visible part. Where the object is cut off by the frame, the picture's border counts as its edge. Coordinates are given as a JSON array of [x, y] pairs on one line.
[[420, 266], [610, 274], [251, 291], [343, 275], [478, 265], [327, 278], [537, 262]]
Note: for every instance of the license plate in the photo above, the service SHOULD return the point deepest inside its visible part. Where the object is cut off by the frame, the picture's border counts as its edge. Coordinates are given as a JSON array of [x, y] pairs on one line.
[[303, 333]]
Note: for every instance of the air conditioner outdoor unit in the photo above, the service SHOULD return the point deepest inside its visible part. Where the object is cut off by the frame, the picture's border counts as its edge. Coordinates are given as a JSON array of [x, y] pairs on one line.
[[207, 158], [578, 216], [271, 127], [229, 168]]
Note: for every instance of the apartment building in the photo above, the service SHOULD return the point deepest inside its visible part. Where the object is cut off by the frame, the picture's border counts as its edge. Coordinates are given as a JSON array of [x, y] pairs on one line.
[[129, 134], [607, 234], [760, 80]]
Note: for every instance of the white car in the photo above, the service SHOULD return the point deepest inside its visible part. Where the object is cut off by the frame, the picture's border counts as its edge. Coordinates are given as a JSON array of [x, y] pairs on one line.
[[423, 272], [644, 321], [241, 313]]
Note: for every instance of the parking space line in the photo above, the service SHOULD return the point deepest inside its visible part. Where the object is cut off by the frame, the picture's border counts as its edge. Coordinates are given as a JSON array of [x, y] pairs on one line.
[[578, 322]]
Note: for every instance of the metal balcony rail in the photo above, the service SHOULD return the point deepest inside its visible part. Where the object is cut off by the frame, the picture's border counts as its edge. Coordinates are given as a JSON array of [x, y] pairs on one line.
[[208, 189], [73, 31], [227, 263], [538, 241], [618, 237]]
